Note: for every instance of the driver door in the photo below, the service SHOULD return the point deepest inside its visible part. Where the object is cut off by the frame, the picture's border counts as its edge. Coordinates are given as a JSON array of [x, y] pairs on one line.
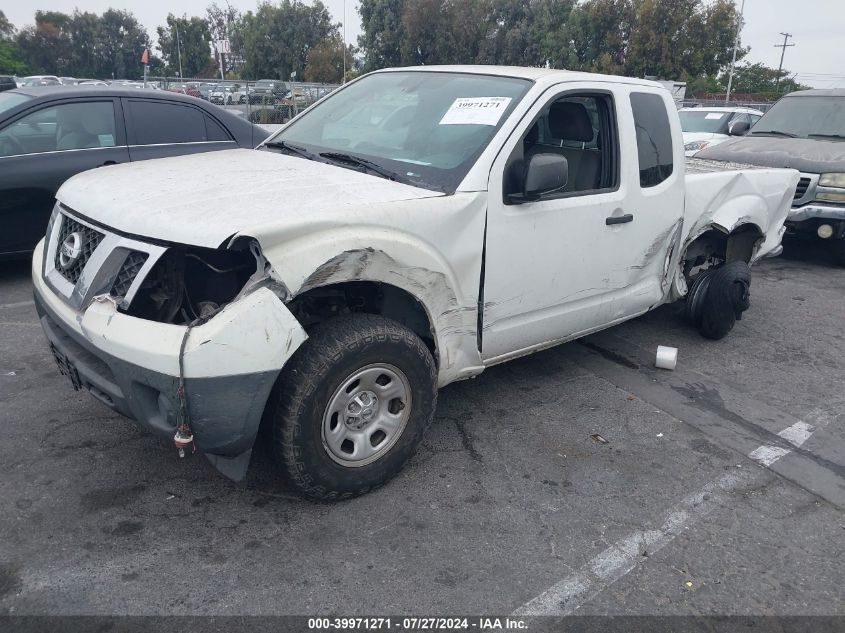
[[591, 254]]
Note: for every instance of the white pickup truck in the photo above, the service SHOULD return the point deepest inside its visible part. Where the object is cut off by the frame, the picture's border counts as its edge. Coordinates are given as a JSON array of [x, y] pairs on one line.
[[409, 230]]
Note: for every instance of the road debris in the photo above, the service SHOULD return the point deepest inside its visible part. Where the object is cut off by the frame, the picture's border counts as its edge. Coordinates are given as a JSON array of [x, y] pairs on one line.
[[667, 357], [598, 438]]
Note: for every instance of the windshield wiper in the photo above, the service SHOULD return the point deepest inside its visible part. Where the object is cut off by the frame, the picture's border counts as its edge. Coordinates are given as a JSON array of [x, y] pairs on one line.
[[775, 133], [293, 149], [842, 136], [365, 164]]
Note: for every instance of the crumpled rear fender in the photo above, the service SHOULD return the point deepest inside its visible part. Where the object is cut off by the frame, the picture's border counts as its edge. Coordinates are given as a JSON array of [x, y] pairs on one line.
[[728, 200]]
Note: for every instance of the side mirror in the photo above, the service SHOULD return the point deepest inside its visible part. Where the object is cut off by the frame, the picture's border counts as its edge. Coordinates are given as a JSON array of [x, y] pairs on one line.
[[739, 128], [544, 173]]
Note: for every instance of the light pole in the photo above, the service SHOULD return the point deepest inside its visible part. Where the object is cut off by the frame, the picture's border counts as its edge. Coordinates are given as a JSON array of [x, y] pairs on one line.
[[736, 43], [343, 48], [178, 48]]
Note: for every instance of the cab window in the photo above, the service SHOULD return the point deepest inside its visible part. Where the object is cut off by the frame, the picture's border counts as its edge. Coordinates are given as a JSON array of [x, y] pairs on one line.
[[582, 129], [654, 138]]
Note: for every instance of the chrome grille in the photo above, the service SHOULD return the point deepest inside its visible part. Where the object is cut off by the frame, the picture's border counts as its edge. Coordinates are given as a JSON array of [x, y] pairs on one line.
[[89, 240], [801, 190], [127, 273]]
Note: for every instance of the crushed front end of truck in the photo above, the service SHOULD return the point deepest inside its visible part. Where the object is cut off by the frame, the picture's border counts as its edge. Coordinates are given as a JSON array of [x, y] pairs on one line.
[[187, 341]]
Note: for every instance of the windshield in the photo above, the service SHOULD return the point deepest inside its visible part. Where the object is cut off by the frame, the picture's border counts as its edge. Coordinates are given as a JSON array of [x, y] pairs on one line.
[[9, 100], [426, 127], [705, 121], [804, 117]]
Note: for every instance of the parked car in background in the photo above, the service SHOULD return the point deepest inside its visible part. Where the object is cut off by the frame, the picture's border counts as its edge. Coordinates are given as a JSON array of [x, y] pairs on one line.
[[41, 80], [704, 127], [185, 90], [7, 83], [269, 91], [205, 90], [483, 214], [805, 130], [226, 95], [93, 82], [49, 134]]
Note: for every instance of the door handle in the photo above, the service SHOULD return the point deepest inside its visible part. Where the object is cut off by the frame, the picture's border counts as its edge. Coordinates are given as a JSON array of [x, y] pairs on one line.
[[619, 219]]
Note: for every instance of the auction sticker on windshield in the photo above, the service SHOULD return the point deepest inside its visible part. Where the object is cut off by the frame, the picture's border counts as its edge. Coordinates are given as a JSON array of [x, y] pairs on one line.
[[476, 111]]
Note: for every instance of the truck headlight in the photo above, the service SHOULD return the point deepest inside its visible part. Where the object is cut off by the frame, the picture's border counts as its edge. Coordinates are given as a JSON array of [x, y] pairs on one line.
[[831, 196], [832, 180], [696, 146]]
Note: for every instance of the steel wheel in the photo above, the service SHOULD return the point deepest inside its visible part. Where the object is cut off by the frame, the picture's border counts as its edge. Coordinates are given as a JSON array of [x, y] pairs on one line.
[[366, 415]]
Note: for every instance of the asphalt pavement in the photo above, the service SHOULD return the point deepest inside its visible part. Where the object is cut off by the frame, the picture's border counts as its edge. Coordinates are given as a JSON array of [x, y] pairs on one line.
[[577, 480]]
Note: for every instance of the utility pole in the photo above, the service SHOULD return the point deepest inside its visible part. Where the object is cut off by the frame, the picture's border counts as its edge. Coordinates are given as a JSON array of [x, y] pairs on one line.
[[343, 52], [178, 49], [736, 43], [783, 48]]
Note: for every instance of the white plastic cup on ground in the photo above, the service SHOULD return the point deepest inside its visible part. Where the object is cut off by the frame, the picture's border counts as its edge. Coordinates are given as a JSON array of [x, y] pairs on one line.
[[667, 357]]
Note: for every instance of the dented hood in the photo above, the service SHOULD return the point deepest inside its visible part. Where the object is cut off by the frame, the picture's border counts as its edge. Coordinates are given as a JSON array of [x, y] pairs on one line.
[[204, 199], [815, 156]]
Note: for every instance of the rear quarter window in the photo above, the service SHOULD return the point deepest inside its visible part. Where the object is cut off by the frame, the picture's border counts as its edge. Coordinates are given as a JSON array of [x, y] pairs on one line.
[[163, 122], [654, 138]]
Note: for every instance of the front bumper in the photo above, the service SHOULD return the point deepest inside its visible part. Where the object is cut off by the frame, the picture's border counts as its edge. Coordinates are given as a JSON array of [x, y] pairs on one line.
[[816, 210], [132, 365]]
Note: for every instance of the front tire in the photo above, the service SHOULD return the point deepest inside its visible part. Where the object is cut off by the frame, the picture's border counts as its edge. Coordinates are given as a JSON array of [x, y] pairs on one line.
[[351, 406]]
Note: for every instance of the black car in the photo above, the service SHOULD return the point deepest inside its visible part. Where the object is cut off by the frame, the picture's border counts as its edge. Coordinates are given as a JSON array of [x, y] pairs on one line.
[[49, 134], [7, 83], [269, 91]]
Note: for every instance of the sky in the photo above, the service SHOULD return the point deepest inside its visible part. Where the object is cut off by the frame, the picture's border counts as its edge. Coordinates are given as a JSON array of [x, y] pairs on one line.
[[817, 27]]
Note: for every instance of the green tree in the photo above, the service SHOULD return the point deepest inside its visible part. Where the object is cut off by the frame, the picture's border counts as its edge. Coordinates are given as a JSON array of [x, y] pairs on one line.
[[221, 22], [46, 46], [7, 29], [762, 80], [551, 32], [83, 29], [11, 61], [84, 44], [194, 45], [672, 37], [122, 41], [703, 84], [598, 31], [275, 40], [383, 33], [324, 62]]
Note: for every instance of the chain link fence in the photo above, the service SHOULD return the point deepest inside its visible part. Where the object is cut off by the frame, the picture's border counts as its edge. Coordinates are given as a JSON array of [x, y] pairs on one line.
[[265, 102], [762, 106]]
